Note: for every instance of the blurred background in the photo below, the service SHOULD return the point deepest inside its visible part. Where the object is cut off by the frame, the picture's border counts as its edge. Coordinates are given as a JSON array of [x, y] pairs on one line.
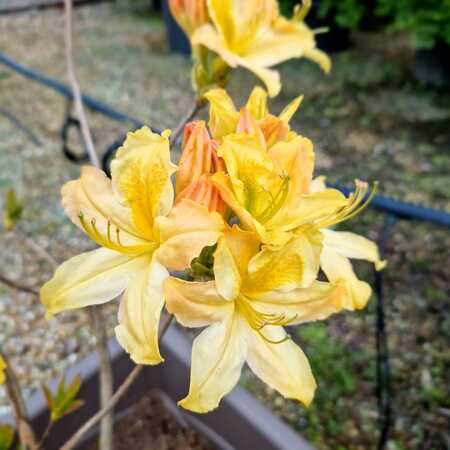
[[383, 113]]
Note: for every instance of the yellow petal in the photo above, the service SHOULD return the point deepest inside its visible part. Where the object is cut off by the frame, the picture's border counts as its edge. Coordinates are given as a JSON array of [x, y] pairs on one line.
[[88, 279], [257, 103], [250, 172], [239, 23], [353, 245], [315, 302], [185, 231], [307, 209], [224, 184], [218, 355], [288, 112], [338, 268], [295, 265], [2, 370], [139, 313], [285, 40], [195, 304], [270, 77], [208, 37], [283, 366], [226, 273], [141, 174], [91, 205], [223, 117], [296, 159], [234, 251]]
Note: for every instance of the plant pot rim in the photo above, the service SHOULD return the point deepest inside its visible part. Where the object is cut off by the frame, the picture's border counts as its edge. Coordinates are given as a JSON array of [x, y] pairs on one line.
[[240, 422]]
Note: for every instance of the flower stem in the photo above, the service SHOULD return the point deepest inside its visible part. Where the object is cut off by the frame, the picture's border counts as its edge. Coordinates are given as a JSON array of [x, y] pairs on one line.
[[97, 322], [196, 107], [132, 376]]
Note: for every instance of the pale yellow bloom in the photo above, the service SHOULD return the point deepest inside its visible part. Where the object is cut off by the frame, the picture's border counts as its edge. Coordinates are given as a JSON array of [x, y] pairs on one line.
[[269, 185], [190, 14], [2, 370], [141, 234], [253, 35], [253, 295]]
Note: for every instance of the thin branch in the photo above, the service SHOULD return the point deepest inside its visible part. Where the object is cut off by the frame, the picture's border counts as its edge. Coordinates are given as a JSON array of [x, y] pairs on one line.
[[97, 321], [79, 109], [106, 375], [26, 434], [15, 285], [45, 435], [132, 376], [196, 107]]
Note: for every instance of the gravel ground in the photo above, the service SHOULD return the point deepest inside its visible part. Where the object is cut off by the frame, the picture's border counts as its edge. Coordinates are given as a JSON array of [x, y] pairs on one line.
[[367, 119]]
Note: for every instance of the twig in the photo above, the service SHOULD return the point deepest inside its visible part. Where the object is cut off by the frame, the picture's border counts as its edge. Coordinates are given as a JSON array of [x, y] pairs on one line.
[[26, 434], [15, 285], [97, 321], [44, 436], [78, 103], [106, 375], [132, 376], [196, 107]]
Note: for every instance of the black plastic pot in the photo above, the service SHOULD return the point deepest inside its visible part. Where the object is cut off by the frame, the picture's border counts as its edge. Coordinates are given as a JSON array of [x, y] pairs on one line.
[[433, 66], [178, 41], [240, 423], [336, 39]]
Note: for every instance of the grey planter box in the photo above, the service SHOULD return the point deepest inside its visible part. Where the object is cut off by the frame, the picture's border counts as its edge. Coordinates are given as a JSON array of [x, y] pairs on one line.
[[241, 422]]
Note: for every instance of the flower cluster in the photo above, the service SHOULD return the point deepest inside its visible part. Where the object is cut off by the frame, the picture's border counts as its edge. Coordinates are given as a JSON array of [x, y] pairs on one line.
[[247, 210], [252, 34]]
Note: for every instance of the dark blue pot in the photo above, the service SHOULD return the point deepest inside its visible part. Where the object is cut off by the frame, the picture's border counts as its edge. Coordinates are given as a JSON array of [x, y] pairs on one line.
[[178, 41]]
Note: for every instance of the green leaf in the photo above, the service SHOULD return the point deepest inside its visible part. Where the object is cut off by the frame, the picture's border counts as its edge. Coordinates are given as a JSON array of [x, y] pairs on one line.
[[6, 436], [202, 266], [63, 401], [13, 209]]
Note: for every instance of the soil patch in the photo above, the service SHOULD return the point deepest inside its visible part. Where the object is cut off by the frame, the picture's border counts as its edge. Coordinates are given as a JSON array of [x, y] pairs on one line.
[[150, 425]]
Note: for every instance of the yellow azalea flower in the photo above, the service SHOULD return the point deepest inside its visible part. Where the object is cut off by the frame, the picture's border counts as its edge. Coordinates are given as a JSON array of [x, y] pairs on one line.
[[244, 308], [141, 233], [253, 35], [2, 370], [269, 185], [190, 14], [269, 168]]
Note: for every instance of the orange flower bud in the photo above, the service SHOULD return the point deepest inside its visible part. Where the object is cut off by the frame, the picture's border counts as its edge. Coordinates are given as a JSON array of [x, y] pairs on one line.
[[190, 14], [199, 155], [249, 125], [203, 191]]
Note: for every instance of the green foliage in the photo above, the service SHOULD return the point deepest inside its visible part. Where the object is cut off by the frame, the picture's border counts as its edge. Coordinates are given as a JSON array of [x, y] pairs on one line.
[[13, 209], [427, 19], [346, 13], [202, 265], [63, 401], [6, 437]]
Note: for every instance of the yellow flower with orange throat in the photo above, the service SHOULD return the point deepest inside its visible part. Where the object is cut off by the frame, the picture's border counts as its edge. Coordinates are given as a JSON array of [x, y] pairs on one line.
[[141, 233], [246, 210], [251, 34]]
